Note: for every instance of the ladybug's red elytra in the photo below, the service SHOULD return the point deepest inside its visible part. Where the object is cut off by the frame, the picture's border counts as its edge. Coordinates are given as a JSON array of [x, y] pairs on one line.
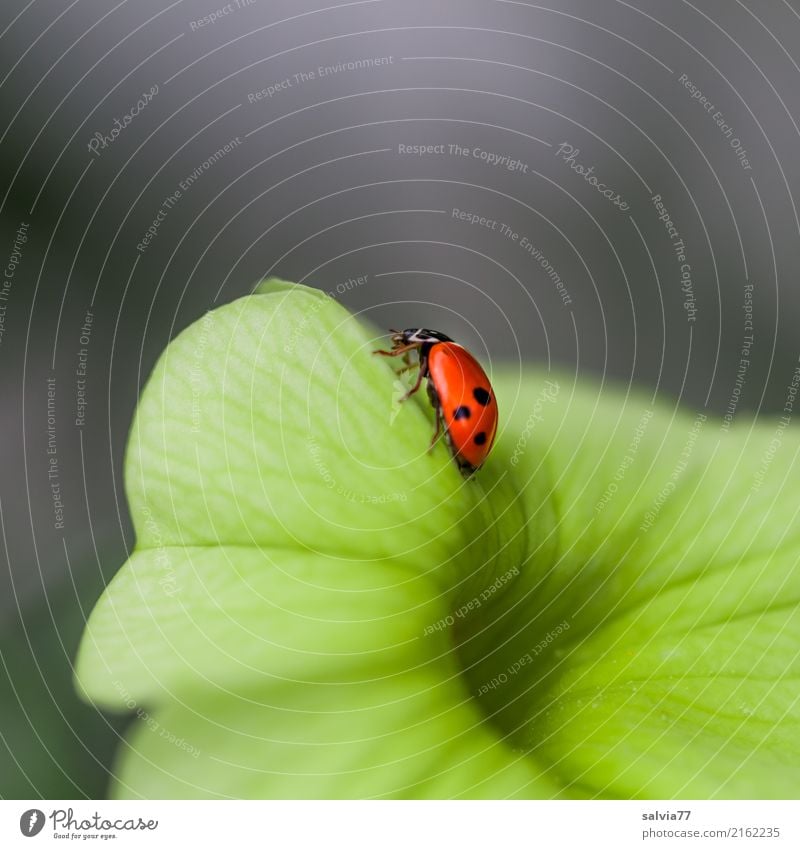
[[459, 391]]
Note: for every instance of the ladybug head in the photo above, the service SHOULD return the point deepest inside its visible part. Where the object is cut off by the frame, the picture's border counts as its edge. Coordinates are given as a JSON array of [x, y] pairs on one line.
[[418, 335]]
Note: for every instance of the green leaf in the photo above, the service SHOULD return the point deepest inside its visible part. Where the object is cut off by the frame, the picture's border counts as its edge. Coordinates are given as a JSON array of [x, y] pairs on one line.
[[268, 423], [294, 532], [234, 617], [410, 735], [677, 672], [318, 607]]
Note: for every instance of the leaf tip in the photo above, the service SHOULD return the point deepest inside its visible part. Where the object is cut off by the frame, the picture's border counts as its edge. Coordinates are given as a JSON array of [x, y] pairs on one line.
[[273, 285]]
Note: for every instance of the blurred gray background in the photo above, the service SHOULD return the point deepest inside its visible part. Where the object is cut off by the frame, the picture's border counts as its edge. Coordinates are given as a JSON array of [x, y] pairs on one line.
[[313, 175]]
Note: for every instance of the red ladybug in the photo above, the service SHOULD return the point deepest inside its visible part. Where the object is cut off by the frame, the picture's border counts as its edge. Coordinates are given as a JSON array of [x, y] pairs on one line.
[[459, 391]]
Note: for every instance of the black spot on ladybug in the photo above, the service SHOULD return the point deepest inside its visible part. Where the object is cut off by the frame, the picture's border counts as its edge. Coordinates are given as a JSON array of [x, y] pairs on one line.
[[481, 395], [480, 438], [461, 412]]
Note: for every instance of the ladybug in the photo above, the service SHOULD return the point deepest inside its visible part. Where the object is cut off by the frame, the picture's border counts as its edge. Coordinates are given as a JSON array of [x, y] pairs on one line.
[[459, 391]]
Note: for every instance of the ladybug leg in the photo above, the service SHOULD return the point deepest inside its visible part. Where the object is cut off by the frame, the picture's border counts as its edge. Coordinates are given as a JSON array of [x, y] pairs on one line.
[[433, 397], [396, 352], [436, 432], [407, 366], [422, 373]]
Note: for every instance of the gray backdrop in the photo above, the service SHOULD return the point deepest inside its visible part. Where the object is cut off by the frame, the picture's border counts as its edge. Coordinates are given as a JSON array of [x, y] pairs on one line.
[[525, 226]]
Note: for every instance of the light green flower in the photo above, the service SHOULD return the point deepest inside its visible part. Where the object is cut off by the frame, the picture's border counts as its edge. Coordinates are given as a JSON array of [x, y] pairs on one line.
[[317, 607]]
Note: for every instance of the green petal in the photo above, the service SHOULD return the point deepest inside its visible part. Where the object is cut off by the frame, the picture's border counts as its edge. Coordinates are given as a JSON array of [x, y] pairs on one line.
[[270, 423], [296, 539], [319, 607], [227, 618], [416, 735], [650, 646], [270, 477]]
